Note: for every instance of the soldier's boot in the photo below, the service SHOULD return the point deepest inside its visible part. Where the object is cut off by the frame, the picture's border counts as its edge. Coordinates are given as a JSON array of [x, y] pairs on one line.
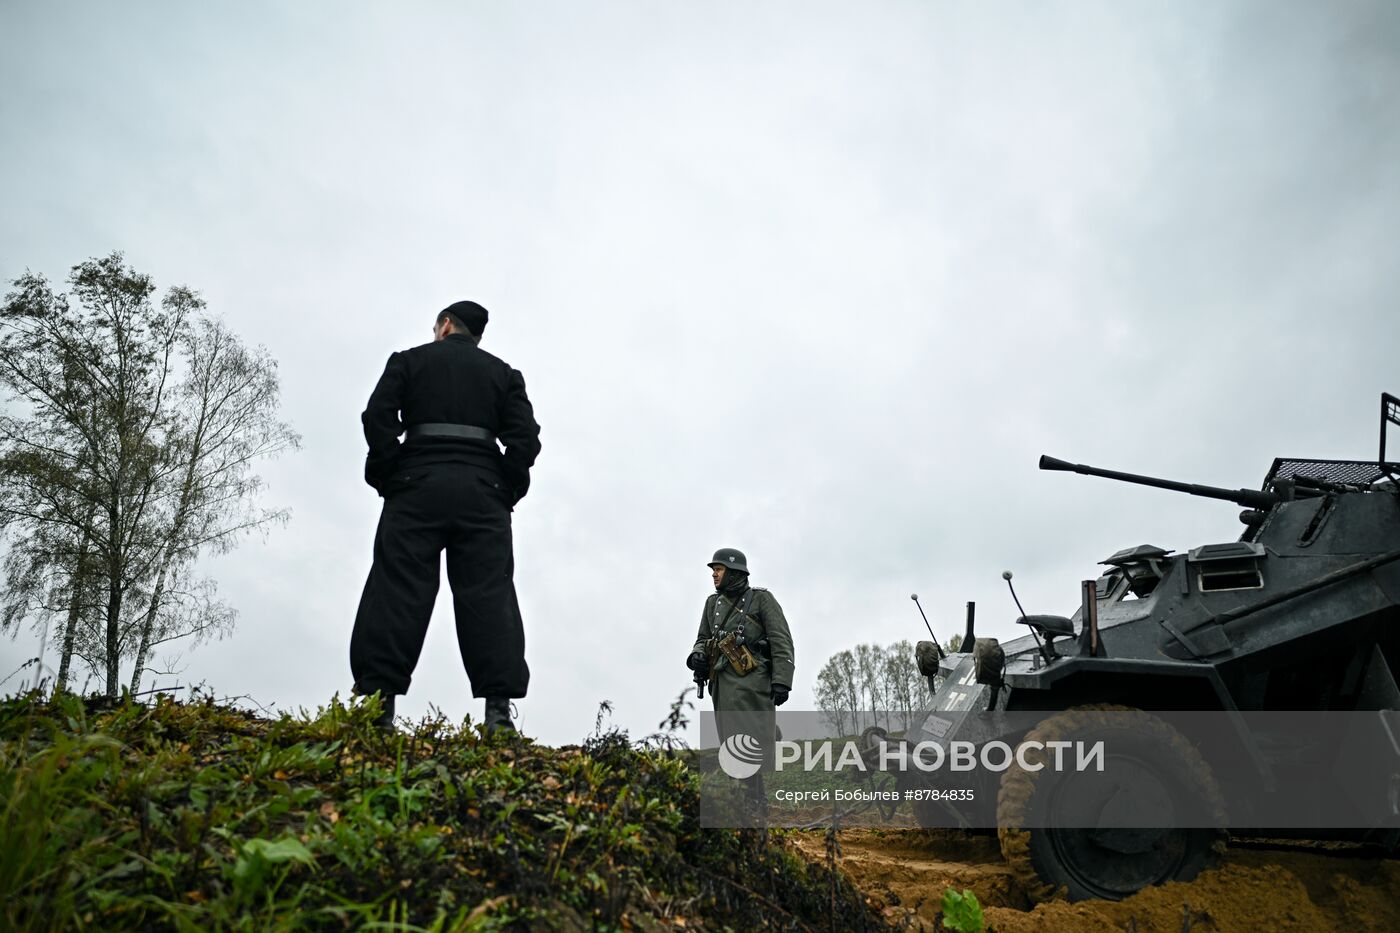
[[755, 803], [384, 722], [498, 715]]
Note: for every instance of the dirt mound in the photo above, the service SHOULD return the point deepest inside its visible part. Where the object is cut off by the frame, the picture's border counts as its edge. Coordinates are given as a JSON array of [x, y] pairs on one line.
[[905, 872]]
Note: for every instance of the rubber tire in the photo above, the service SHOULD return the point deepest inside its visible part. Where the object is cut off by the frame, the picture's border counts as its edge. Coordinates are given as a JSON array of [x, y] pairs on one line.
[[1037, 857]]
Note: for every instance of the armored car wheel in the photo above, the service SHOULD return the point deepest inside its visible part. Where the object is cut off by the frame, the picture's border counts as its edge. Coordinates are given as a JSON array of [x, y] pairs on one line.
[[871, 737], [1160, 766]]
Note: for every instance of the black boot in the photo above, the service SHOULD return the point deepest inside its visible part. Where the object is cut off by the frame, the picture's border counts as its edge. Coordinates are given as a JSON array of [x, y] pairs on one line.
[[384, 722], [755, 806], [498, 715]]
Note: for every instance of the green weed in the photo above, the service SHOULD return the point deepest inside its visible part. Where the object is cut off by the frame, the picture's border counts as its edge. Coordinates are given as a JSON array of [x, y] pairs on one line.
[[962, 912]]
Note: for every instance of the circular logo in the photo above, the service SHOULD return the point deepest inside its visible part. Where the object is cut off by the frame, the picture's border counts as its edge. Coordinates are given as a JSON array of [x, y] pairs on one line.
[[740, 756]]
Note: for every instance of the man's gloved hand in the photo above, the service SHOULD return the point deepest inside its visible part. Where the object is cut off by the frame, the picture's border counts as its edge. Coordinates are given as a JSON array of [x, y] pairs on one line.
[[698, 663], [780, 694]]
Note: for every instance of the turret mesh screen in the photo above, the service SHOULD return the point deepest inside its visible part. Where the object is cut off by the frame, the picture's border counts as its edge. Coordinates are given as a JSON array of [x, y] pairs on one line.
[[1355, 472]]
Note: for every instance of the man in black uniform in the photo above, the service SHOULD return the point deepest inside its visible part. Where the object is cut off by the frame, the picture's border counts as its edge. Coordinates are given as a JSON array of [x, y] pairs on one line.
[[448, 485]]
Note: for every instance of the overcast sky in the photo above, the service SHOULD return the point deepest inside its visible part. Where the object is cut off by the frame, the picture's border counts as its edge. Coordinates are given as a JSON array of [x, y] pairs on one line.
[[820, 281]]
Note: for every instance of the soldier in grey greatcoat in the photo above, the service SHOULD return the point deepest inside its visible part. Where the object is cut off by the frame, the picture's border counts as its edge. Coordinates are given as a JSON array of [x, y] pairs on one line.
[[753, 614], [744, 700]]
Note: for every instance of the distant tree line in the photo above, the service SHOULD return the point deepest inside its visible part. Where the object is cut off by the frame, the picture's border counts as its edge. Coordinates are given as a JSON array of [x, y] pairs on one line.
[[873, 685], [868, 679], [127, 448]]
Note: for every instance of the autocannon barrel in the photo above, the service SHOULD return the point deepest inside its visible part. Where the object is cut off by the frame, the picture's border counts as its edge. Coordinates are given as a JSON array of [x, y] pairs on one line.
[[1252, 498]]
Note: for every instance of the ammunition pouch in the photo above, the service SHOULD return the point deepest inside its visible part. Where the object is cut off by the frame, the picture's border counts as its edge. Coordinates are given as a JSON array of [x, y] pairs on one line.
[[738, 653]]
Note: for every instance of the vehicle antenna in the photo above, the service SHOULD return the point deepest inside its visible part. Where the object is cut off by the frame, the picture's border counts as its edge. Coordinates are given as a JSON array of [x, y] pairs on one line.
[[1006, 575], [936, 647]]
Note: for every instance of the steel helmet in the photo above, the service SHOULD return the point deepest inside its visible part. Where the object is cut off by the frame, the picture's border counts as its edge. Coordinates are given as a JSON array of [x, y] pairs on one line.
[[730, 559]]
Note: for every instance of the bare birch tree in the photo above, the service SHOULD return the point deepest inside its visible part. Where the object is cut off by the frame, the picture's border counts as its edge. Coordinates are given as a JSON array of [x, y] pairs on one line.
[[92, 377], [49, 578], [833, 698], [899, 674], [845, 662], [138, 428], [229, 398]]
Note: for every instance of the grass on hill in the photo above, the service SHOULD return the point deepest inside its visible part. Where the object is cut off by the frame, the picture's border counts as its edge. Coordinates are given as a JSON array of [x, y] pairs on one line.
[[201, 816]]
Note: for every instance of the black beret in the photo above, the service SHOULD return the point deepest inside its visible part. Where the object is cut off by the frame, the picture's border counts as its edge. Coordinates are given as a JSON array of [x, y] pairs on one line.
[[469, 313]]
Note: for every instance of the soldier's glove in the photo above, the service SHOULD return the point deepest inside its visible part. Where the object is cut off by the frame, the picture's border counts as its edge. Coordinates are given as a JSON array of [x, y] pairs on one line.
[[780, 694], [698, 663]]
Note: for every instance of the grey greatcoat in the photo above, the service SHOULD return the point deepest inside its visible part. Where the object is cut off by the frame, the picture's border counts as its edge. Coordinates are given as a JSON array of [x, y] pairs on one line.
[[751, 692]]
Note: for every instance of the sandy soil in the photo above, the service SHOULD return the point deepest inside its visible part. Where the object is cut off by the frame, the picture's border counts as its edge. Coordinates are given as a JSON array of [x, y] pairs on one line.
[[1296, 888]]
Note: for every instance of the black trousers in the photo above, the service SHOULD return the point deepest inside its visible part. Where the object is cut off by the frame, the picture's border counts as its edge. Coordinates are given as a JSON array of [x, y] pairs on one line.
[[461, 509]]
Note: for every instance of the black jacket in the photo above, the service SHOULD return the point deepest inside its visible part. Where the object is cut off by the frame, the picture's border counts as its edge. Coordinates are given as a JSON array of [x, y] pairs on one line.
[[453, 381]]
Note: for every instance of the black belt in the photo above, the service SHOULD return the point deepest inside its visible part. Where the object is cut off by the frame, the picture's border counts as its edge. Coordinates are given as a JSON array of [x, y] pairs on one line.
[[437, 429]]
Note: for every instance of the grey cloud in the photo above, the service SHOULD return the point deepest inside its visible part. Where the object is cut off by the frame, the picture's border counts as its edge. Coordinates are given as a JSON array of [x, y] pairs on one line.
[[816, 281]]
